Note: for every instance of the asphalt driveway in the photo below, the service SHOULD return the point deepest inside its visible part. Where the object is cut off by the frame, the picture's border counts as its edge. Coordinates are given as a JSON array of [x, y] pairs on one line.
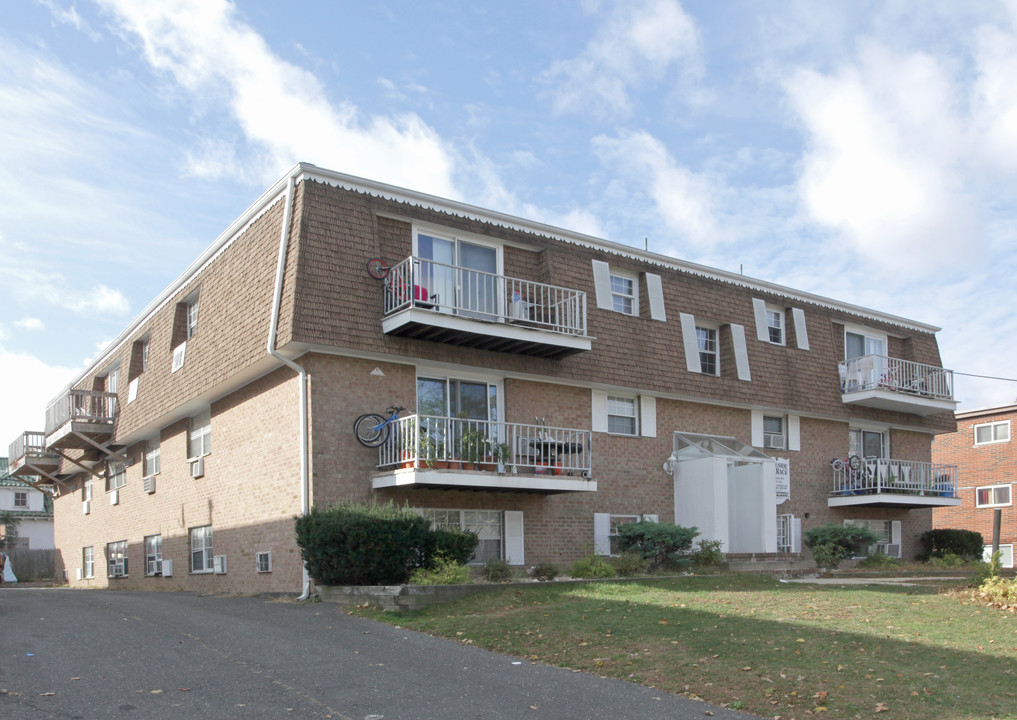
[[110, 654]]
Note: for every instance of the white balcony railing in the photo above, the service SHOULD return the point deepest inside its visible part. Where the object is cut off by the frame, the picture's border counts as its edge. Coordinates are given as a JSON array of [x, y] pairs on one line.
[[879, 372], [422, 283], [27, 444], [87, 406], [873, 476], [432, 442]]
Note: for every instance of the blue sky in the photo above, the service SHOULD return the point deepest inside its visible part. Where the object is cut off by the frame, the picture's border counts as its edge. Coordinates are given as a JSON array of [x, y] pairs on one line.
[[862, 151]]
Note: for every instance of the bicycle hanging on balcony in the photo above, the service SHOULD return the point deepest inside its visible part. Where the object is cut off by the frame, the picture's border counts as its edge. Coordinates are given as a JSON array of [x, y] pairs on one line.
[[372, 429]]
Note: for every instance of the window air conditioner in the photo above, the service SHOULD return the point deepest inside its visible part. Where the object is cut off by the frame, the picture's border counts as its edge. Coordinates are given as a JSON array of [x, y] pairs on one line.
[[219, 564], [888, 549], [167, 568], [773, 442], [86, 507], [154, 567], [198, 467], [149, 484], [77, 574], [114, 497]]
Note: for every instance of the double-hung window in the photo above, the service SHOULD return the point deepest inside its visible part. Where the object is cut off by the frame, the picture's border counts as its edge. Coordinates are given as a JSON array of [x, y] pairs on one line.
[[775, 325], [199, 441], [993, 496], [709, 362], [201, 549], [994, 432], [116, 555], [88, 562], [623, 294], [20, 499], [116, 475], [192, 318], [774, 432], [486, 524], [153, 554], [621, 415], [153, 460]]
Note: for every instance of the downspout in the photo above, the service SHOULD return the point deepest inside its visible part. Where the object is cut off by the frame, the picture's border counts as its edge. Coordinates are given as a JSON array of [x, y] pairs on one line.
[[284, 241]]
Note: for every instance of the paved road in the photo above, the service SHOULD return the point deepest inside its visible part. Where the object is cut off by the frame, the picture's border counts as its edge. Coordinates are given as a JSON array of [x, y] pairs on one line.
[[110, 654]]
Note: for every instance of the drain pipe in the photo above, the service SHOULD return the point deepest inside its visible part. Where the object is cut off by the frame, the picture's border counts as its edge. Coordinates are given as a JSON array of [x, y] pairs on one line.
[[284, 241]]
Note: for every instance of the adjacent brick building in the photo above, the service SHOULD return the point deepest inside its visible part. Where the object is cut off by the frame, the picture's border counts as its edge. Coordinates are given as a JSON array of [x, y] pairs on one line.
[[982, 449], [556, 385]]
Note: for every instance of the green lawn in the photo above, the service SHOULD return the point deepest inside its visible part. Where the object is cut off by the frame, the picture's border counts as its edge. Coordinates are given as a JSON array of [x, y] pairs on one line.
[[769, 648]]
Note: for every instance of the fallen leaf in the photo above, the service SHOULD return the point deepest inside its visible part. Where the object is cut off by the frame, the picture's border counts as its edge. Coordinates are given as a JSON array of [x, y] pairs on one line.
[[47, 694], [155, 692], [881, 707], [821, 695]]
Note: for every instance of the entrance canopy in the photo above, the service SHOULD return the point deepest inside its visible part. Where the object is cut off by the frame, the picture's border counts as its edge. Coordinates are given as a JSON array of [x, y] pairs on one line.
[[693, 446]]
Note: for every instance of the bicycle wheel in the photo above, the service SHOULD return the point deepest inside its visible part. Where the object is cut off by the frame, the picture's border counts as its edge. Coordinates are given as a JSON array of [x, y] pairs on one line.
[[377, 268], [371, 429]]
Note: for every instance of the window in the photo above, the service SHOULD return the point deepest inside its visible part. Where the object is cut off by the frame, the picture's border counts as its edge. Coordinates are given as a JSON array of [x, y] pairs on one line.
[[116, 555], [192, 318], [116, 475], [153, 555], [867, 443], [88, 562], [859, 344], [707, 340], [200, 436], [263, 561], [616, 521], [86, 490], [775, 325], [153, 460], [1005, 555], [144, 355], [992, 432], [881, 528], [621, 415], [20, 499], [201, 549], [993, 496], [623, 294], [113, 381], [774, 435], [487, 524]]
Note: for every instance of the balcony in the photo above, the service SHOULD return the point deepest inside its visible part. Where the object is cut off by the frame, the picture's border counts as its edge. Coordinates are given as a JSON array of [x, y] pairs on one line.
[[81, 419], [464, 454], [428, 300], [28, 456], [893, 483], [887, 383]]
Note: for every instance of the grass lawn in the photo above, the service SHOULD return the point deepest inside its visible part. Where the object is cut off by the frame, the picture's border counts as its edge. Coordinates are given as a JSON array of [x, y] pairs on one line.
[[756, 644]]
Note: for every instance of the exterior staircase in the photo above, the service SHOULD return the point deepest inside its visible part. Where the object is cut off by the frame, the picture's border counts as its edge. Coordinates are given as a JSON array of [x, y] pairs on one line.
[[776, 564]]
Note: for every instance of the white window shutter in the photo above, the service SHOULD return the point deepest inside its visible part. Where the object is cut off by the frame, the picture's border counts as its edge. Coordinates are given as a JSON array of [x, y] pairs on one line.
[[801, 333], [796, 534], [655, 293], [762, 327], [598, 410], [757, 428], [895, 531], [601, 533], [602, 284], [794, 432], [514, 537], [647, 416], [741, 352], [688, 323]]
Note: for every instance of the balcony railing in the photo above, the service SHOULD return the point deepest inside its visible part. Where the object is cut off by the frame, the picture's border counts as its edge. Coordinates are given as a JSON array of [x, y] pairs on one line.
[[438, 443], [85, 406], [27, 444], [879, 372], [455, 290], [875, 476]]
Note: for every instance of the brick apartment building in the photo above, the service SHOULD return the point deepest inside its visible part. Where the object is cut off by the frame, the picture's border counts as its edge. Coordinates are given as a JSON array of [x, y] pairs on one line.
[[556, 385], [982, 449]]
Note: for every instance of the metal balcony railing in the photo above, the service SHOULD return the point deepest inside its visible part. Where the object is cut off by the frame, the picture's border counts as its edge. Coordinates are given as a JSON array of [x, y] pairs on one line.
[[880, 372], [452, 289], [88, 406], [433, 442], [871, 476], [27, 444]]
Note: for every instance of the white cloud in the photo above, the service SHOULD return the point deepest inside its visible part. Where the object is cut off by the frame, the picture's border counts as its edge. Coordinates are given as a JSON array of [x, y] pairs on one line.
[[30, 323], [281, 109], [25, 400], [994, 97], [34, 286], [638, 44]]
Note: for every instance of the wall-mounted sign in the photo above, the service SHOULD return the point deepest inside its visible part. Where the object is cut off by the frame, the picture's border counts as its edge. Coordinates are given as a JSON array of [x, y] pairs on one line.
[[783, 479]]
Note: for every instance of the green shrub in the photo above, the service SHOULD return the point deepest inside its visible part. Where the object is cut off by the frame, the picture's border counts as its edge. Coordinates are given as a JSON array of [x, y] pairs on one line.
[[879, 562], [827, 555], [497, 570], [946, 560], [656, 541], [445, 571], [363, 544], [456, 545], [592, 566], [964, 543], [629, 564], [707, 554], [851, 539], [988, 570], [545, 571]]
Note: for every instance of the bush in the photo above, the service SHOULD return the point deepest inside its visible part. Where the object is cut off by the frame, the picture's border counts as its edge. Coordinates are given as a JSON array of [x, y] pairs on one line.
[[879, 562], [455, 545], [656, 541], [445, 571], [947, 560], [964, 543], [364, 544], [707, 554], [999, 590], [827, 555], [545, 571], [851, 539], [592, 566], [629, 564], [497, 570]]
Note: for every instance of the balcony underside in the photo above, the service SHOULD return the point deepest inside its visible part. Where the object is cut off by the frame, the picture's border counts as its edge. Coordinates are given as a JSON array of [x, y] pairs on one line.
[[908, 501], [72, 435], [546, 484], [898, 402], [511, 337], [32, 465]]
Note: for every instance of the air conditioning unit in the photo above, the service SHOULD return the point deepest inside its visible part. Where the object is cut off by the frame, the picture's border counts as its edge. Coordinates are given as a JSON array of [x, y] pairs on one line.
[[888, 549], [773, 442], [198, 467], [86, 507], [114, 497], [167, 568], [263, 561], [219, 564], [77, 574], [154, 567], [148, 484]]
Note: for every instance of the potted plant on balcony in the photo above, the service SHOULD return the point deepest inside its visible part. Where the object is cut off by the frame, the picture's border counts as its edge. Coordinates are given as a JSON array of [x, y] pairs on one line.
[[502, 455], [472, 446], [432, 452]]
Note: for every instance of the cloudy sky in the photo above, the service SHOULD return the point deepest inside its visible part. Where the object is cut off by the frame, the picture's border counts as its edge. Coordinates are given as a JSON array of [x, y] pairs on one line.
[[866, 151]]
